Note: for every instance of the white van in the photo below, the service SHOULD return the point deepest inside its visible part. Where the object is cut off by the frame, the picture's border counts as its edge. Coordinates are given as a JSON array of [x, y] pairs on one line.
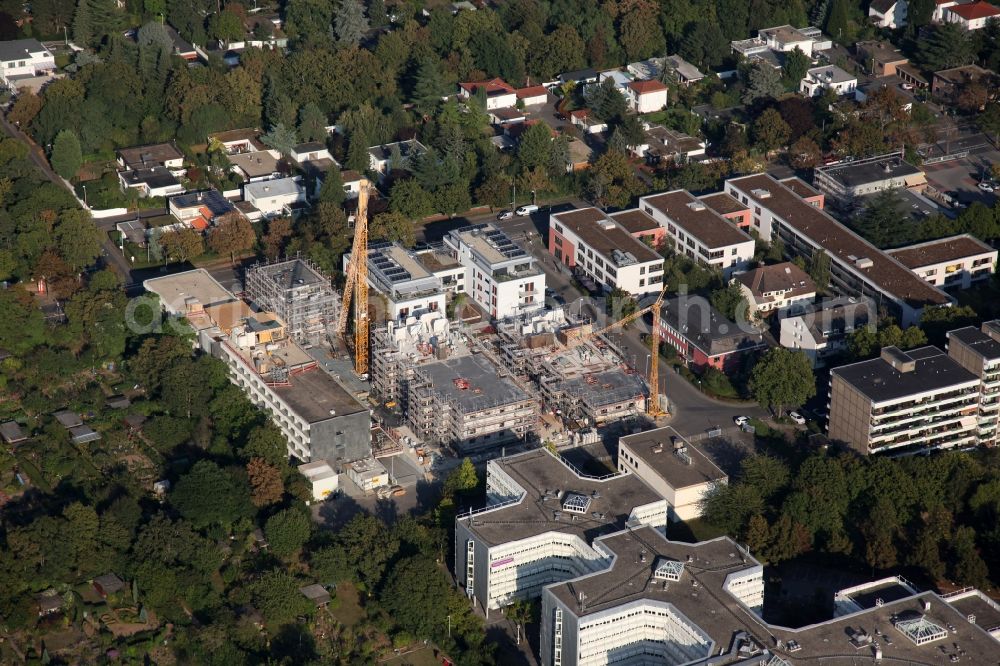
[[526, 210]]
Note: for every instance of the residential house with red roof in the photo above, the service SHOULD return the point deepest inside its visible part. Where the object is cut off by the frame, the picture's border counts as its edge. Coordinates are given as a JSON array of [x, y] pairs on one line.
[[499, 93]]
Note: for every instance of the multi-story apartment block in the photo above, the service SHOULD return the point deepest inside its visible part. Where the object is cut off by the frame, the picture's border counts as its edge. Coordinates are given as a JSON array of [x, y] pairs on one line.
[[537, 526], [957, 262], [857, 266], [917, 400], [298, 293], [589, 241], [500, 276], [696, 230], [319, 419], [409, 288], [978, 351], [671, 466]]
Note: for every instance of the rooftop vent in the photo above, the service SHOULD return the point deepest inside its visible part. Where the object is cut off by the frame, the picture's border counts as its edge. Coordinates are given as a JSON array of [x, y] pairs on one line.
[[696, 205], [761, 193], [898, 359], [864, 262]]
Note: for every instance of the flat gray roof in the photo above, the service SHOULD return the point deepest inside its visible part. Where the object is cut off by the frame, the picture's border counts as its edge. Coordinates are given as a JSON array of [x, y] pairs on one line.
[[696, 218], [879, 381], [199, 284], [953, 248], [853, 174], [541, 475], [655, 448], [272, 188], [314, 393], [978, 341], [486, 389]]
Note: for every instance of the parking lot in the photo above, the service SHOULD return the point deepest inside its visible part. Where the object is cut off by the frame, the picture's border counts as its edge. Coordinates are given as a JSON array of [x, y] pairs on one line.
[[959, 178]]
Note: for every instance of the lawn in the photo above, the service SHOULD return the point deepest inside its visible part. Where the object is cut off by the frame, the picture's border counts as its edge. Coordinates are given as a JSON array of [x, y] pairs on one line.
[[422, 657], [348, 611]]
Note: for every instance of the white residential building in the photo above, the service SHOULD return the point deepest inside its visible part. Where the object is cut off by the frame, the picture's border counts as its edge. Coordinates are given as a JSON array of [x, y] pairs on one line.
[[24, 58], [911, 401], [600, 248], [274, 197], [889, 14], [972, 15], [153, 182], [499, 93], [646, 96], [696, 230], [535, 530], [392, 156], [671, 466], [312, 151], [823, 333], [828, 77], [502, 279], [784, 288], [956, 262]]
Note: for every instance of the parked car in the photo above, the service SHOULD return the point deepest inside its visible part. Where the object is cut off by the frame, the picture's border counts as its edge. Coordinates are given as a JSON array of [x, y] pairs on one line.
[[524, 211], [797, 418], [741, 420], [505, 215], [985, 186]]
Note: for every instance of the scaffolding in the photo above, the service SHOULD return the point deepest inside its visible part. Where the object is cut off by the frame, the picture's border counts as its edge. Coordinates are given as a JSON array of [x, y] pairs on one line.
[[298, 292]]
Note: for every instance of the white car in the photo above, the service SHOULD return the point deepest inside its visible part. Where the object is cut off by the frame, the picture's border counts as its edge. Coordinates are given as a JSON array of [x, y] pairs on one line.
[[741, 420], [986, 187], [505, 215], [797, 418], [524, 211]]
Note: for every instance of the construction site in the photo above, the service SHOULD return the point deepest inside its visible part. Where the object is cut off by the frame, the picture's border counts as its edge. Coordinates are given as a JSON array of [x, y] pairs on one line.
[[298, 293]]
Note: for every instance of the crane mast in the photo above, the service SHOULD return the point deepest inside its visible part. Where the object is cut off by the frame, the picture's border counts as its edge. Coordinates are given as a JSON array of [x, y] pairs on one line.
[[356, 286]]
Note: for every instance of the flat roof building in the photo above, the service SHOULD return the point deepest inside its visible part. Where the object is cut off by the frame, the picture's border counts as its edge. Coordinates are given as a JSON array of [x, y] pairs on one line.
[[978, 351], [671, 466], [857, 266], [540, 519], [697, 231], [165, 155], [593, 243], [956, 262], [910, 401], [843, 182], [828, 77], [499, 275], [319, 419]]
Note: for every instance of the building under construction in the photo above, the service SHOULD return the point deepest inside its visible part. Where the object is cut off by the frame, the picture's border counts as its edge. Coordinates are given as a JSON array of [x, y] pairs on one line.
[[298, 293], [449, 391], [587, 383]]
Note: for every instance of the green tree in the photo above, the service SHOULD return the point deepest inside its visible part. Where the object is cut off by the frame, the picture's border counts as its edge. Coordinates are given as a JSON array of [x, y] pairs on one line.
[[312, 123], [837, 20], [758, 533], [882, 221], [967, 566], [226, 26], [332, 190], [67, 157], [730, 507], [795, 67], [819, 269], [612, 181], [420, 599], [77, 239], [287, 531], [606, 102], [768, 475], [350, 23], [281, 138], [461, 480], [266, 484], [392, 226], [93, 20], [369, 546], [782, 378], [937, 321], [704, 44], [357, 153], [428, 84], [209, 495], [410, 199], [232, 234], [764, 82], [535, 147], [276, 595], [182, 244], [947, 45], [619, 304], [730, 301], [770, 131]]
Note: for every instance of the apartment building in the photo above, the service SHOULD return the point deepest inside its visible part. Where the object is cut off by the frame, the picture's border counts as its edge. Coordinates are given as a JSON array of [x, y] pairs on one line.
[[957, 262], [699, 232], [978, 351], [910, 401], [671, 466], [502, 279], [858, 268], [704, 337], [536, 529], [409, 288], [464, 403], [594, 244], [845, 182], [783, 288], [822, 334], [319, 419], [729, 208], [298, 293]]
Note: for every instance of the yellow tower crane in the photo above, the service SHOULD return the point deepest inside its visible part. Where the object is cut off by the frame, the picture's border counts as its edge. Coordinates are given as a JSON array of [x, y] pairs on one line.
[[356, 286], [653, 378]]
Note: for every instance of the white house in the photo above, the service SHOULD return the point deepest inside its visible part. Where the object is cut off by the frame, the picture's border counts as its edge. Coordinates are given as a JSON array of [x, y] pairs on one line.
[[499, 93], [24, 58], [972, 16], [154, 182], [312, 151], [782, 287], [533, 95], [888, 13], [828, 77], [502, 278], [389, 156], [274, 197], [823, 333], [165, 155], [646, 96]]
